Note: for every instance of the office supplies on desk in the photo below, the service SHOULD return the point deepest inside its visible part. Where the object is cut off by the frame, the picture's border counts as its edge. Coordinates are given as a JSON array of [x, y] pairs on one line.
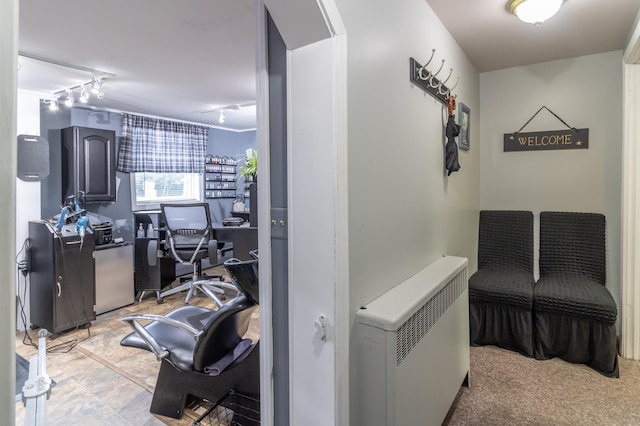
[[232, 221], [102, 233]]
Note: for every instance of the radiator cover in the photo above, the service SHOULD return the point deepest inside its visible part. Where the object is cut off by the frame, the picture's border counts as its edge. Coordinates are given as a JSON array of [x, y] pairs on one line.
[[413, 347]]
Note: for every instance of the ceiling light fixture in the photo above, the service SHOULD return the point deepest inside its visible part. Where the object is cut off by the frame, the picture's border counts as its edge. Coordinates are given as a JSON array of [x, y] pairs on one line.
[[53, 104], [221, 119], [93, 86], [84, 95], [534, 11], [70, 99], [96, 84]]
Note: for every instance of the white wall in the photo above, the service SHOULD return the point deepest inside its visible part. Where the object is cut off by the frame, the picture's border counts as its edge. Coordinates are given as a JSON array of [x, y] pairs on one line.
[[586, 92], [8, 166], [404, 212], [311, 288], [27, 200]]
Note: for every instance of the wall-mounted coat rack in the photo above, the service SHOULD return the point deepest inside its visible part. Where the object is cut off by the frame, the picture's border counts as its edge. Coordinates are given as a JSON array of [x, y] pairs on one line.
[[428, 81]]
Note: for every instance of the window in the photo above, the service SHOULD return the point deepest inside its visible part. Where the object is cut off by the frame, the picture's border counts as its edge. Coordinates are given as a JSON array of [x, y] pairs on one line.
[[148, 190]]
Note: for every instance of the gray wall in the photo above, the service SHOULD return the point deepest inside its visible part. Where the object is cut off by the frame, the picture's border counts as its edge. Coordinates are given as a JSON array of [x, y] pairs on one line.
[[404, 212], [586, 92], [221, 142], [230, 144]]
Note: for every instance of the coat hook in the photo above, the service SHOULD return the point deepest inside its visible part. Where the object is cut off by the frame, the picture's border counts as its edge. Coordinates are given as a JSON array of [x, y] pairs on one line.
[[439, 85], [433, 75], [454, 86], [433, 52]]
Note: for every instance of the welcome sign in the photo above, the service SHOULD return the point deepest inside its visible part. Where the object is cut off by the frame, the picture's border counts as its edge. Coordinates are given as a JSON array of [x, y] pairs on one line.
[[550, 139]]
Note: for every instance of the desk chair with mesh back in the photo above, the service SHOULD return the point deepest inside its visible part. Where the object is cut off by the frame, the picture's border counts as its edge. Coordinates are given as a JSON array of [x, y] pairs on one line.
[[189, 237]]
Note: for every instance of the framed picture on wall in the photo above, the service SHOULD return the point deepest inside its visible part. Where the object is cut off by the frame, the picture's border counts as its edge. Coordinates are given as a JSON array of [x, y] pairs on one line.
[[464, 120]]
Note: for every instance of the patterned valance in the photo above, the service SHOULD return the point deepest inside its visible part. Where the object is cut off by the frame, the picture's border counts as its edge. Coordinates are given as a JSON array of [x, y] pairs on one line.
[[161, 146]]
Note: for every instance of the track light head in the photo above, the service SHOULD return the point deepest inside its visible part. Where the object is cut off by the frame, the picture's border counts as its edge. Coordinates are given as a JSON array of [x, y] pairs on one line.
[[69, 101], [221, 119], [96, 84], [84, 95], [53, 105]]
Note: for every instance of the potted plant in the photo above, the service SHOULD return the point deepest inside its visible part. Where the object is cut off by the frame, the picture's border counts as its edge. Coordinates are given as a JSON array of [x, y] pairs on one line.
[[250, 167]]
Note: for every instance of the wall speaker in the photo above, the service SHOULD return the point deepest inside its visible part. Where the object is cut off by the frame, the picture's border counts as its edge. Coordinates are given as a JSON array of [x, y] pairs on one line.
[[33, 158]]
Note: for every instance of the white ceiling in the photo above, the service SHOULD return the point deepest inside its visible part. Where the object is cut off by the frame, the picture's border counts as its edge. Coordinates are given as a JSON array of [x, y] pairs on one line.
[[171, 58], [493, 38], [180, 59]]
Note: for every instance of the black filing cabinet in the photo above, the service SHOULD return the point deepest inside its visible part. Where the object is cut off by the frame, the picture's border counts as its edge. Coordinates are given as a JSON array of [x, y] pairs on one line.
[[62, 287], [88, 163]]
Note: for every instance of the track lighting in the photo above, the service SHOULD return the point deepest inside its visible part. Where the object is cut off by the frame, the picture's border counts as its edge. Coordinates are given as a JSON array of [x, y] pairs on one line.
[[96, 84], [84, 87], [84, 95], [70, 99], [221, 119], [53, 104]]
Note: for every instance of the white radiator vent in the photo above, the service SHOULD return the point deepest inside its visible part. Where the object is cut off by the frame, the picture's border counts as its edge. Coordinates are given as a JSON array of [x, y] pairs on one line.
[[413, 347], [413, 330]]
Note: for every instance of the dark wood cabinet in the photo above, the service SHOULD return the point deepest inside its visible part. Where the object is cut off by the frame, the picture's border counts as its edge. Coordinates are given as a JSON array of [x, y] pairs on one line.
[[88, 163]]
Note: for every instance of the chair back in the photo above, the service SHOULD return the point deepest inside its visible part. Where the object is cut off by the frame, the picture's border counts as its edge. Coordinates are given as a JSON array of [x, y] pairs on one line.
[[230, 323], [188, 228], [573, 244], [224, 332], [505, 239], [244, 275]]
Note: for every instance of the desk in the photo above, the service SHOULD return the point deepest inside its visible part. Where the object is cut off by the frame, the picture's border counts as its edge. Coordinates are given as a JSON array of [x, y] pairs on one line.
[[155, 269], [244, 238]]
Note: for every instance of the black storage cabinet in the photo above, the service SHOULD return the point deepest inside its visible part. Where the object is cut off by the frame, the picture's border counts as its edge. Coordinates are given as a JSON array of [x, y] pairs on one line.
[[88, 163], [62, 278], [152, 272]]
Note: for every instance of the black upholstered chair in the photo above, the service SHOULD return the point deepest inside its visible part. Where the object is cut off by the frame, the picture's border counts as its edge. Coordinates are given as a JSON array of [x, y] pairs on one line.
[[202, 351], [189, 236], [575, 315], [501, 291]]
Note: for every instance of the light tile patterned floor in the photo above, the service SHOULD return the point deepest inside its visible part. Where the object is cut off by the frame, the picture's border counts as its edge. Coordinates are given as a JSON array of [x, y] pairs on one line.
[[99, 382]]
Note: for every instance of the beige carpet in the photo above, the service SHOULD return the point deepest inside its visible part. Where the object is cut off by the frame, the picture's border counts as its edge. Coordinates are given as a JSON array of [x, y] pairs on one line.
[[510, 389]]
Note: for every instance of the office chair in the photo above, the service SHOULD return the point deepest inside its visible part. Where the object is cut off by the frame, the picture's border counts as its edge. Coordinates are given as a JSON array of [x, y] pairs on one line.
[[202, 352], [189, 237]]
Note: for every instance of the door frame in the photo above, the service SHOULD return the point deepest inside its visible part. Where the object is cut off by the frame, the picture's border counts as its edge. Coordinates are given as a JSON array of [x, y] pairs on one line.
[[336, 125]]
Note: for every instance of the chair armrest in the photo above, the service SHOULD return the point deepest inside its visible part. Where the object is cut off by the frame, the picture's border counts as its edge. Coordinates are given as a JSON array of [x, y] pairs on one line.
[[152, 343], [213, 251]]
